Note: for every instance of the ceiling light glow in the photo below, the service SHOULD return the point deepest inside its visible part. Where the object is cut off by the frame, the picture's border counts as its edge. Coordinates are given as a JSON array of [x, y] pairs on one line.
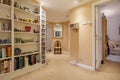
[[41, 4], [76, 2]]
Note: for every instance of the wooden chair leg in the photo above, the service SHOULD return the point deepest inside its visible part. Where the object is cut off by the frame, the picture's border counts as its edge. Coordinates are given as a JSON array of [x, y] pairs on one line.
[[60, 51], [54, 51]]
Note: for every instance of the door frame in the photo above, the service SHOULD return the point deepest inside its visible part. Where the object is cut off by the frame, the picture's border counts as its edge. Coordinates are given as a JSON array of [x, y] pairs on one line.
[[94, 31]]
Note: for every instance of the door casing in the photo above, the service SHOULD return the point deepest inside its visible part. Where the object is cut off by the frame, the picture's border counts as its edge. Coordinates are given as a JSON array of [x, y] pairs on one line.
[[94, 35]]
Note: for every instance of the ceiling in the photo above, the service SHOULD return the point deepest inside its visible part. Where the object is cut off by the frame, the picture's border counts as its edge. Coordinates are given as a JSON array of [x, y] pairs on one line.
[[58, 10], [111, 9]]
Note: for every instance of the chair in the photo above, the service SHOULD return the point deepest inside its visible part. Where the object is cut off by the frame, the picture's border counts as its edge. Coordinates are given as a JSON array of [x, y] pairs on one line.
[[114, 47], [57, 47]]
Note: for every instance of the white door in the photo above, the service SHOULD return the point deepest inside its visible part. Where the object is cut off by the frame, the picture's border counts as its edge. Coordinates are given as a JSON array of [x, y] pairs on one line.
[[49, 37]]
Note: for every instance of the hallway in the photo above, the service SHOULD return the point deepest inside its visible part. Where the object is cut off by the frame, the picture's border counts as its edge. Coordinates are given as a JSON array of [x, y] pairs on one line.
[[59, 68]]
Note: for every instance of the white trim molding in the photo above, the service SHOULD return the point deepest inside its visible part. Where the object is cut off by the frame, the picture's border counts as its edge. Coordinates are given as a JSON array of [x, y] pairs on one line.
[[82, 65]]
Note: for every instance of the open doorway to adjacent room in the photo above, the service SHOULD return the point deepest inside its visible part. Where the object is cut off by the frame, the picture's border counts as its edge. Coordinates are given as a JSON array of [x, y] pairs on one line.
[[107, 35]]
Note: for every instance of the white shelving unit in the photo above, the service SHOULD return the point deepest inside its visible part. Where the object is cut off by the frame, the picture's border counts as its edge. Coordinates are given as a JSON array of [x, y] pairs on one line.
[[43, 34], [5, 40], [23, 38]]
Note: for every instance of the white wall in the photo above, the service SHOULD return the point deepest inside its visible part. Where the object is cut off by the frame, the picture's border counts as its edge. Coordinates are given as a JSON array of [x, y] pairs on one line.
[[113, 24], [112, 13]]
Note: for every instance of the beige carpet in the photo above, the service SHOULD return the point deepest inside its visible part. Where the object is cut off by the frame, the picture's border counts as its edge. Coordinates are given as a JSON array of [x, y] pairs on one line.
[[59, 68]]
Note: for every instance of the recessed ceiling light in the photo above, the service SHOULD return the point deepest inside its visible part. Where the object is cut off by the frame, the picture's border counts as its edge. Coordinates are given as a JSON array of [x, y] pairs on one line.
[[41, 4], [76, 2]]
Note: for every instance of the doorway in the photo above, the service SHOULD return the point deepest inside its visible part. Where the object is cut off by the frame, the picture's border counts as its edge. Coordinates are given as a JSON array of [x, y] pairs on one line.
[[101, 31], [49, 37]]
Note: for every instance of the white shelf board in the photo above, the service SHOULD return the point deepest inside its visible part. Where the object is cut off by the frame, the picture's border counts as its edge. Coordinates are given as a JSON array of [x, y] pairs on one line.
[[26, 12], [5, 31], [26, 33], [4, 44], [36, 52], [5, 58], [1, 17], [5, 5], [27, 22], [31, 53], [28, 43], [23, 55], [3, 74]]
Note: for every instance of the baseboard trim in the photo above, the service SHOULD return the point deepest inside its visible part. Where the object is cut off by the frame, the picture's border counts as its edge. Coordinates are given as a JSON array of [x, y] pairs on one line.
[[115, 58], [82, 65]]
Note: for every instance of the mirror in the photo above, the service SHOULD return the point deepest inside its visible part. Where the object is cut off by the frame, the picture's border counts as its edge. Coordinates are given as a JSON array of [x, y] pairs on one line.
[[58, 31]]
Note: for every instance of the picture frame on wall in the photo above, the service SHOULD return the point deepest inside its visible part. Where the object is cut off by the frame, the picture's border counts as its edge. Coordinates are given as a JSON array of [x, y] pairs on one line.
[[58, 31]]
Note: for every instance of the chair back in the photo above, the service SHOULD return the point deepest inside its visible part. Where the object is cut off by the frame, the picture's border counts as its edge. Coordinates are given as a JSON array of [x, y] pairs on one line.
[[57, 44]]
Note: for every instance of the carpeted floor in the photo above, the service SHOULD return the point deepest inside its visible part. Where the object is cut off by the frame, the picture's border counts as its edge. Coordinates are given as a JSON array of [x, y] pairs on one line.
[[59, 68]]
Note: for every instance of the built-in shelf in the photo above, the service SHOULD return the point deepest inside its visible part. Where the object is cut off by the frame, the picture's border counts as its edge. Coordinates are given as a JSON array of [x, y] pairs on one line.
[[26, 33], [17, 20], [27, 22], [28, 43], [5, 5], [4, 44], [26, 12], [5, 31], [43, 35], [5, 58], [1, 17]]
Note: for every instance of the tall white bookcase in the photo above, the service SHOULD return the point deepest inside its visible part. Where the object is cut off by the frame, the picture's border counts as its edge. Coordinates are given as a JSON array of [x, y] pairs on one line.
[[22, 38], [43, 34]]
